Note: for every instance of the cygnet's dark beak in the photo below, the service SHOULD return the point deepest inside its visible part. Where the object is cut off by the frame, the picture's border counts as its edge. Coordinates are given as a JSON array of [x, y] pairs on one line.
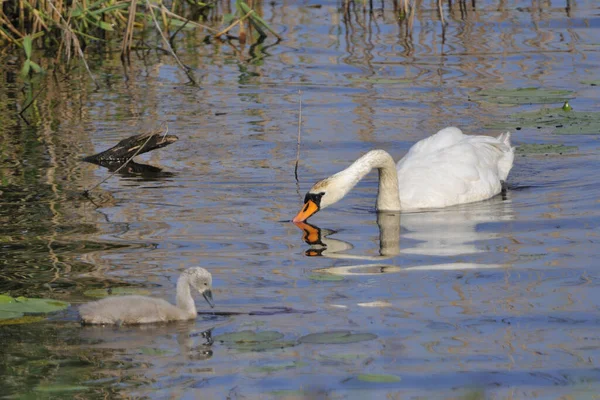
[[207, 294]]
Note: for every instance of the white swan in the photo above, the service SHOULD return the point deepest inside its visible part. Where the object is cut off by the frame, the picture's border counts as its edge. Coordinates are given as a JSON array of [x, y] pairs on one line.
[[143, 310], [442, 170]]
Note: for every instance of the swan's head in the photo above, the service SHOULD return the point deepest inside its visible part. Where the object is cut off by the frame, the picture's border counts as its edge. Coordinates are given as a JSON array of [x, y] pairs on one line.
[[323, 194], [201, 280]]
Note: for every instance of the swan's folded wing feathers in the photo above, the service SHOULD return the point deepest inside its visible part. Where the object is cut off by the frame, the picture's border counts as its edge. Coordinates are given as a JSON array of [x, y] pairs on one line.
[[443, 139], [462, 173]]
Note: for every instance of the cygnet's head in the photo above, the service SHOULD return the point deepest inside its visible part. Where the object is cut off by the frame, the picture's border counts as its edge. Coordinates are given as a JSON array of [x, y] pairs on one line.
[[323, 194], [201, 280]]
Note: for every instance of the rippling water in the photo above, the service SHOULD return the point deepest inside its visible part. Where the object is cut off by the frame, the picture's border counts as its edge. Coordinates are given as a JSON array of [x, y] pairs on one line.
[[498, 298]]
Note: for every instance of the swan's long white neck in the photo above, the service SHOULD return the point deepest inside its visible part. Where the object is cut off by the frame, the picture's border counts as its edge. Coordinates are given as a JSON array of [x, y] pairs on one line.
[[388, 196], [185, 302]]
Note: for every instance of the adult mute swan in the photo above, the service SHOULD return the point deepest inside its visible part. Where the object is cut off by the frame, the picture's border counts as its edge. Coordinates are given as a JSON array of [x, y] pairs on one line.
[[442, 170], [144, 310]]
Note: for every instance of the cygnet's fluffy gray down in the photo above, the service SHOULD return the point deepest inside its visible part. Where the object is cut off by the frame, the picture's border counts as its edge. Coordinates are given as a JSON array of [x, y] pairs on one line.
[[143, 309]]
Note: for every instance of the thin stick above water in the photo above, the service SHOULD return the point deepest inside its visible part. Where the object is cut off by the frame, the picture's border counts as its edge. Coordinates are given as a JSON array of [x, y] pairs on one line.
[[168, 45], [298, 143]]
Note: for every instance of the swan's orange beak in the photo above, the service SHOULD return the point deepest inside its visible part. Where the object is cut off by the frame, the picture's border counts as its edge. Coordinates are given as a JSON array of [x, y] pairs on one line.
[[310, 207]]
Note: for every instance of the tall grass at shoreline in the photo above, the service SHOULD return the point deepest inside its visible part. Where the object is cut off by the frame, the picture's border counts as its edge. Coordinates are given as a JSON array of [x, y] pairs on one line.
[[64, 28]]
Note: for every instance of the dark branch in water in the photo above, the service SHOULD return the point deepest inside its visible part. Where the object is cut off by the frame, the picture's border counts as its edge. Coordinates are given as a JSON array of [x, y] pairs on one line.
[[120, 155], [133, 146]]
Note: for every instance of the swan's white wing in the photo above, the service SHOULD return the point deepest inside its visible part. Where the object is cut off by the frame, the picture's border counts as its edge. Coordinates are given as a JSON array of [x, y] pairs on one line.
[[467, 170]]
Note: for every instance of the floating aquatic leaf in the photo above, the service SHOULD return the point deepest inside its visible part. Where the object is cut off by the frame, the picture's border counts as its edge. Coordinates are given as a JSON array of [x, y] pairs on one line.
[[545, 148], [378, 378], [345, 357], [20, 320], [525, 96], [263, 346], [9, 315], [591, 82], [274, 367], [254, 341], [249, 337], [118, 291], [301, 394], [562, 122], [59, 388], [382, 81], [150, 351], [17, 307], [325, 277], [336, 337], [581, 127]]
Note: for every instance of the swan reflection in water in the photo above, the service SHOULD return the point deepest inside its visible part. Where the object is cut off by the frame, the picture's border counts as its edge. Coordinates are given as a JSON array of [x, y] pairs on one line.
[[444, 232], [192, 343]]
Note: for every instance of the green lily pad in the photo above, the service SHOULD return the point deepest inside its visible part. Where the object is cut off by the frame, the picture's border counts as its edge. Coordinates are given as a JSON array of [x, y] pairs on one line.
[[383, 81], [336, 337], [525, 96], [249, 337], [326, 277], [585, 126], [11, 308], [290, 393], [6, 299], [344, 357], [378, 378], [254, 341], [274, 367], [118, 291], [562, 122], [263, 346], [150, 351], [545, 148], [59, 388], [7, 315], [591, 82]]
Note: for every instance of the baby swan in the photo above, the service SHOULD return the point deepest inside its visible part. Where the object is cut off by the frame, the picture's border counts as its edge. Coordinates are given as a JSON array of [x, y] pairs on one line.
[[144, 310]]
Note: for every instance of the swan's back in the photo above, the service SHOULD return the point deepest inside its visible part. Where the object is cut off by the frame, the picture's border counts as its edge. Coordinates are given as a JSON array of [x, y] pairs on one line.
[[451, 168], [131, 310]]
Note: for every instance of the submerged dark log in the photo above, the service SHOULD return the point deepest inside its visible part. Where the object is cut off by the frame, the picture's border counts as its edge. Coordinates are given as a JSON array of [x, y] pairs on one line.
[[127, 148]]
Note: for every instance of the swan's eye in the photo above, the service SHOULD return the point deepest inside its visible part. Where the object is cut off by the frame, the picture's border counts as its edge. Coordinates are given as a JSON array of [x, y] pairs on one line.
[[205, 284]]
